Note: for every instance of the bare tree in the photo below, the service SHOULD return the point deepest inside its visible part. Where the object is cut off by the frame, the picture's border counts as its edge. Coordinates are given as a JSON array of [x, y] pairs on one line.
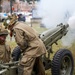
[[0, 5]]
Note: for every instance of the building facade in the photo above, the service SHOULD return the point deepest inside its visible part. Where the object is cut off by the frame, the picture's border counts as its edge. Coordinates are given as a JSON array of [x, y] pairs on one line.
[[17, 5]]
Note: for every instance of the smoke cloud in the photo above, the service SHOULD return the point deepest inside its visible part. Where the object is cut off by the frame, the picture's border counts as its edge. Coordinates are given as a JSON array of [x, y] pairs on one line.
[[69, 39], [53, 12]]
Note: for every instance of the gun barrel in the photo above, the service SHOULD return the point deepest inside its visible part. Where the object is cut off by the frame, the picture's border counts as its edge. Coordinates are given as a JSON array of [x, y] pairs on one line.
[[53, 35]]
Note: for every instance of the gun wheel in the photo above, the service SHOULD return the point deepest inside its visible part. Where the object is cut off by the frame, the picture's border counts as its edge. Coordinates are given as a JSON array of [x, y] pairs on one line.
[[16, 53], [63, 63]]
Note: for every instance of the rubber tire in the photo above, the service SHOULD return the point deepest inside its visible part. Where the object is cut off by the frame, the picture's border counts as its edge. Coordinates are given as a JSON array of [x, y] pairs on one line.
[[56, 62], [16, 53]]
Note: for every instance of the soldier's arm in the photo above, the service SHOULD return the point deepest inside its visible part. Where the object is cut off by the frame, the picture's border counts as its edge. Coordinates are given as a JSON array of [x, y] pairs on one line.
[[8, 51], [20, 38]]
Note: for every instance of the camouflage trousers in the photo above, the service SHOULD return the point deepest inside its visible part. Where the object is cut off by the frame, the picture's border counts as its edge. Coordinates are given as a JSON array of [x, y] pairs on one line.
[[30, 64]]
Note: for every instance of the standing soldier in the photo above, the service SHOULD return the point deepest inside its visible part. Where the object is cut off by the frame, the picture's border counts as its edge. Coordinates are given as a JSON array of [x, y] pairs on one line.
[[4, 49], [31, 46]]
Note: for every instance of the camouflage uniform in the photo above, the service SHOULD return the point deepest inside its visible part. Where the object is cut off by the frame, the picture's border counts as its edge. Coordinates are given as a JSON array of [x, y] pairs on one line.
[[31, 46], [4, 49]]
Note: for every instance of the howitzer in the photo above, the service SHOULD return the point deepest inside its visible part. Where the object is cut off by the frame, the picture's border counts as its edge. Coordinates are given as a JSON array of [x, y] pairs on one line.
[[62, 62], [51, 36]]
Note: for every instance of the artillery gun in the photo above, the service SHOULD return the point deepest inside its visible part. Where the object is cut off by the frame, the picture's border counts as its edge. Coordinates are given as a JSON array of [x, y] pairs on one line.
[[62, 62]]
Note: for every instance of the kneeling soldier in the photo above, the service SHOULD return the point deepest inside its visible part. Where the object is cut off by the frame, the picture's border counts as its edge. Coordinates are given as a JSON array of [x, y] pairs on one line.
[[4, 49]]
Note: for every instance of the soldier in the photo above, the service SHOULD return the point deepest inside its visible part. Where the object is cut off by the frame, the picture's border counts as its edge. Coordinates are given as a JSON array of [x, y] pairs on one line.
[[4, 49], [31, 46]]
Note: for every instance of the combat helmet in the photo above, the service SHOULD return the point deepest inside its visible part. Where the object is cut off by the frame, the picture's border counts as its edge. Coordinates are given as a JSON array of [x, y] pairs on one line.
[[3, 31], [10, 20]]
